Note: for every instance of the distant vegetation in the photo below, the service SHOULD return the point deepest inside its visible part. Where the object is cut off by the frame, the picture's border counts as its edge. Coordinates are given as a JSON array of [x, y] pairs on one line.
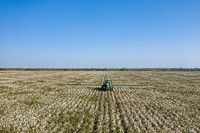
[[102, 69]]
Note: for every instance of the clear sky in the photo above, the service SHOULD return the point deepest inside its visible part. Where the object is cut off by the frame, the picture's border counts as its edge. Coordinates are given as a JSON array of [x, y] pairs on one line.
[[100, 33]]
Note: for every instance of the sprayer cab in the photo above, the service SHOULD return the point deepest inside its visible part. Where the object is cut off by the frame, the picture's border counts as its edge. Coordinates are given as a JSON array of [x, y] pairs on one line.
[[107, 85]]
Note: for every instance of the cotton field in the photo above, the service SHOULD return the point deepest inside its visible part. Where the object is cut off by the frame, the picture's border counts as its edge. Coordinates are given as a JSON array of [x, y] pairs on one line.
[[69, 102]]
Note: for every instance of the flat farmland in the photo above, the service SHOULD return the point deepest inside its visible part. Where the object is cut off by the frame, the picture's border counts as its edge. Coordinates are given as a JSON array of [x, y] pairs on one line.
[[68, 101]]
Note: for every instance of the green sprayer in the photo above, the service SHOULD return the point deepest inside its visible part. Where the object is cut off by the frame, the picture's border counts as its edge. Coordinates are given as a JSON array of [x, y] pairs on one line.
[[107, 84]]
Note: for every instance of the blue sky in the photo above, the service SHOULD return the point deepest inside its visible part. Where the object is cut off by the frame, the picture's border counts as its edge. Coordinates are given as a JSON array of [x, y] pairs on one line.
[[100, 33]]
